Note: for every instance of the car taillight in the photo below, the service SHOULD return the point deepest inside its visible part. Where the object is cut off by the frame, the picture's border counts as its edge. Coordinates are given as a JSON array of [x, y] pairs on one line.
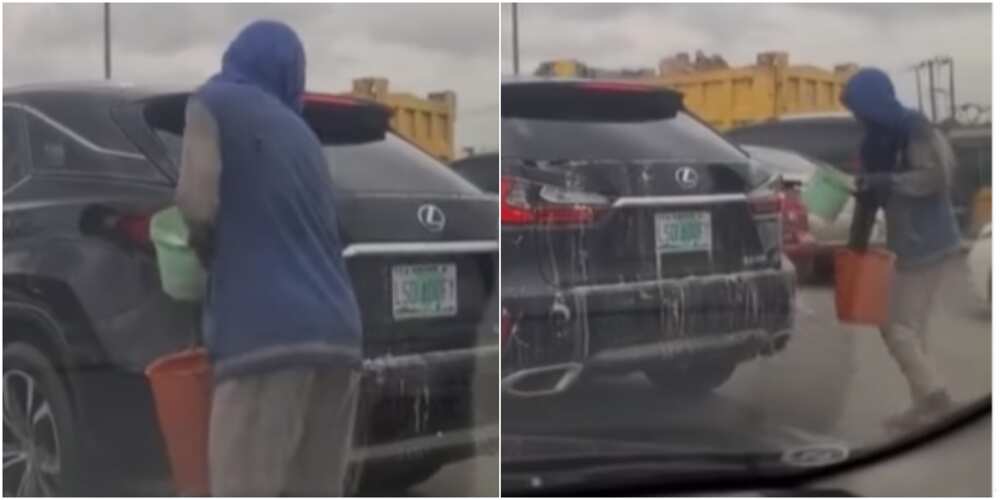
[[506, 328], [525, 203], [766, 207], [795, 217]]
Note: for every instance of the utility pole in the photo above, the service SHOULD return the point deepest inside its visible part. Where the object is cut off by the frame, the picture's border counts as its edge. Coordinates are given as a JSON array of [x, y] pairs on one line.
[[951, 86], [513, 25], [920, 90], [933, 92], [107, 41]]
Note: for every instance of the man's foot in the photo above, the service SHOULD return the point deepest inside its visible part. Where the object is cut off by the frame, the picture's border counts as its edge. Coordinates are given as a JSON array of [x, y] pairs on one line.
[[925, 412]]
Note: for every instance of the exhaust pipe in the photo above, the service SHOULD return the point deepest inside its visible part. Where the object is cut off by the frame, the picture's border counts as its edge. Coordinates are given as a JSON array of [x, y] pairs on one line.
[[541, 381]]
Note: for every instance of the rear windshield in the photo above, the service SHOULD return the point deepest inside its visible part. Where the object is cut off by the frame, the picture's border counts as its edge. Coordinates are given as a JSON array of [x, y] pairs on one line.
[[392, 165], [680, 137], [360, 161]]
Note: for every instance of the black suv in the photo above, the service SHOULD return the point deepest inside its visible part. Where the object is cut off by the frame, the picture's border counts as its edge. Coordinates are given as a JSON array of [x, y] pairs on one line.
[[84, 166], [633, 238]]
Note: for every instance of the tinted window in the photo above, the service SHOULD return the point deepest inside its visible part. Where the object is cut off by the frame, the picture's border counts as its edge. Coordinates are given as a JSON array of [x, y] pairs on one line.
[[480, 170], [86, 115], [171, 144], [678, 138], [15, 160], [56, 150], [392, 165]]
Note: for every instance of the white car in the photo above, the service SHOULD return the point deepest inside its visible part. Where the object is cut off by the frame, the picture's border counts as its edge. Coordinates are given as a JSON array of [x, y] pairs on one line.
[[980, 263]]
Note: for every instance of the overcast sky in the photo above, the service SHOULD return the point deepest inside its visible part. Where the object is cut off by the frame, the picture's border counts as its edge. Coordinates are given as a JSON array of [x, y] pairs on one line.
[[889, 36], [420, 48]]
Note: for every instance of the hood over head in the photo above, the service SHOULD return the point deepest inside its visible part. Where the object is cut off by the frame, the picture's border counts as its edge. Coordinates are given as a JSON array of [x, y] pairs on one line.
[[869, 94], [269, 55]]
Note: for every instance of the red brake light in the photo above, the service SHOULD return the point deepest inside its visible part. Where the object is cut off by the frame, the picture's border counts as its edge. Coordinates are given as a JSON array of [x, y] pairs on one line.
[[565, 215], [517, 209], [514, 207], [506, 328]]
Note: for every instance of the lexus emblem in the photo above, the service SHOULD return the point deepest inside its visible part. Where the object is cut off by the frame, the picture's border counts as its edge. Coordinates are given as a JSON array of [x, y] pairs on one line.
[[687, 178], [431, 217]]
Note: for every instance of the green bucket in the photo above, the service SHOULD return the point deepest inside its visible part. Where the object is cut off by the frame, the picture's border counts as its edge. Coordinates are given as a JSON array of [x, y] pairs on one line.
[[181, 274], [827, 192]]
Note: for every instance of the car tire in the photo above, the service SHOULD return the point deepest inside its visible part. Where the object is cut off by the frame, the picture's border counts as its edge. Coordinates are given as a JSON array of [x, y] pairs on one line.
[[396, 477], [690, 379], [46, 451]]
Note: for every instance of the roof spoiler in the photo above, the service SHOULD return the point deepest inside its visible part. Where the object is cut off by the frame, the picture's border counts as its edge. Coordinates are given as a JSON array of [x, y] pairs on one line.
[[335, 119], [595, 100]]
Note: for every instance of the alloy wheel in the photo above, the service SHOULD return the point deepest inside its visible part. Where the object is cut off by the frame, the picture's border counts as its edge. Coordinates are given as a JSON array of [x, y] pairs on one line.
[[32, 459]]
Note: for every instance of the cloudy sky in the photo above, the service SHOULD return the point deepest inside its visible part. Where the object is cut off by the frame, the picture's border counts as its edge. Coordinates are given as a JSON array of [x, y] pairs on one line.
[[890, 36], [420, 48]]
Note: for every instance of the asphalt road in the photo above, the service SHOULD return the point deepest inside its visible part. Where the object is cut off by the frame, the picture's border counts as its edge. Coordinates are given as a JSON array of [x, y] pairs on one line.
[[834, 383]]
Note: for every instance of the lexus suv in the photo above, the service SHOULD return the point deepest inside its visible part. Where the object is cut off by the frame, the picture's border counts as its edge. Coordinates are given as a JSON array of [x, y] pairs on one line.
[[634, 238], [83, 311]]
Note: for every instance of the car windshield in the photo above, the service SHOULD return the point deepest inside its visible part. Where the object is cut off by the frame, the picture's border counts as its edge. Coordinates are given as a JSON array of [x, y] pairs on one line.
[[659, 322]]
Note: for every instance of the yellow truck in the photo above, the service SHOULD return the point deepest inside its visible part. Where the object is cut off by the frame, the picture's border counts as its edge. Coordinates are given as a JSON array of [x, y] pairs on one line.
[[427, 122], [728, 97]]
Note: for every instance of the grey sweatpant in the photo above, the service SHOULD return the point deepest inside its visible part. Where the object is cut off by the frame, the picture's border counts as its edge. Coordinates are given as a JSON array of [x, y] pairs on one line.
[[905, 336], [287, 432]]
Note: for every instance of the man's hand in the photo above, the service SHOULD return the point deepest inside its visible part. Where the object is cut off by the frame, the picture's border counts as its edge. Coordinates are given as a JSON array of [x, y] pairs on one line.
[[200, 239]]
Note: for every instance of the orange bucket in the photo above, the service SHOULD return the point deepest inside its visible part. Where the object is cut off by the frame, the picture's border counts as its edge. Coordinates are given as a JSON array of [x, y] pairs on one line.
[[182, 389], [863, 281]]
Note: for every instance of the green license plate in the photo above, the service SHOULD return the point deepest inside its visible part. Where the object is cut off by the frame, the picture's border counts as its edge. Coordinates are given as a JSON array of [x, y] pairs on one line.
[[424, 291], [683, 232]]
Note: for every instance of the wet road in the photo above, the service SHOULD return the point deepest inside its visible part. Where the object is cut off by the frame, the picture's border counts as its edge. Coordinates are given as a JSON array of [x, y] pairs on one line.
[[834, 383]]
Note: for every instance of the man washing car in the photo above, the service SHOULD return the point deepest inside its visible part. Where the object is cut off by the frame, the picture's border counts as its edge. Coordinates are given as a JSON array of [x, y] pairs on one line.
[[906, 170], [282, 324]]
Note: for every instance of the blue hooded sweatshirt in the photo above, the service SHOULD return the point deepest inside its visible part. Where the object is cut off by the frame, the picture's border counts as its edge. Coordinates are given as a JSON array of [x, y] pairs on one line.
[[870, 95], [279, 293], [904, 159]]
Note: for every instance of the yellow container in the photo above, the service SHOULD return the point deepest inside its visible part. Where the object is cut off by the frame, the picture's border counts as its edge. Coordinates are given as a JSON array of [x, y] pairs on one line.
[[427, 122]]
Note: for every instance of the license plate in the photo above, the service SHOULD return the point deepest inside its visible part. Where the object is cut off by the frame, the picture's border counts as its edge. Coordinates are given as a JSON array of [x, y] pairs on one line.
[[424, 291], [683, 232]]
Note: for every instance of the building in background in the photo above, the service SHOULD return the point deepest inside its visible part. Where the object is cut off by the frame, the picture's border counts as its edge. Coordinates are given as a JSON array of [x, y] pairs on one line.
[[427, 122], [728, 97]]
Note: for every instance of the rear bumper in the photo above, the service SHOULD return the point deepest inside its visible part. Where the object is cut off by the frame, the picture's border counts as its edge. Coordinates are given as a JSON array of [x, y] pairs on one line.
[[557, 336], [442, 402]]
